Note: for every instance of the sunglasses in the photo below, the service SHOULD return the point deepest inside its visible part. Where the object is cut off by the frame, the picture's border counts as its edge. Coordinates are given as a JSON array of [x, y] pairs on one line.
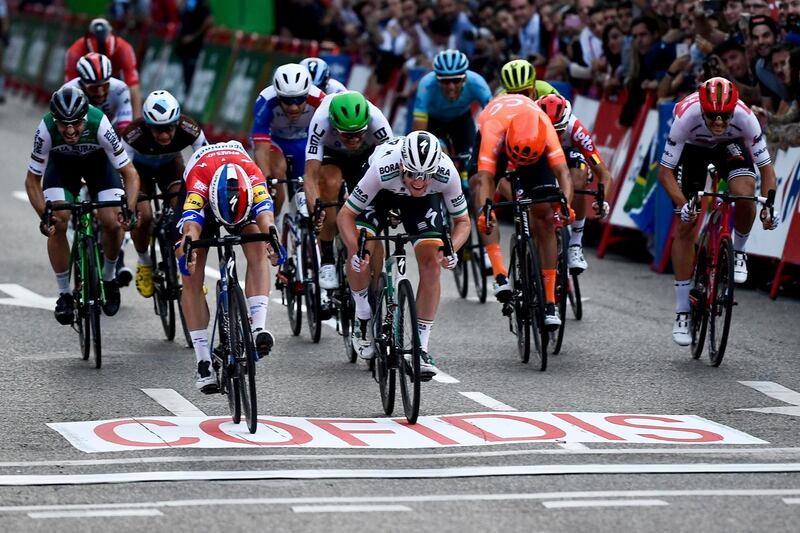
[[163, 128], [74, 123], [292, 100], [417, 176], [352, 134], [451, 81], [724, 117]]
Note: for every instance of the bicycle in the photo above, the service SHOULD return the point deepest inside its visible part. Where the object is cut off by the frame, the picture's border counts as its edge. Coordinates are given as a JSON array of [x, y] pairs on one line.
[[85, 266], [711, 297], [235, 360], [472, 256], [526, 307], [394, 323], [287, 279]]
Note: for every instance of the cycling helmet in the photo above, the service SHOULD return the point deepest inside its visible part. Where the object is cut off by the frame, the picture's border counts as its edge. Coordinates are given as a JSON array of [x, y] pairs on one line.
[[526, 138], [230, 194], [557, 108], [291, 80], [450, 64], [421, 153], [94, 68], [517, 76], [161, 109], [349, 112], [319, 70], [100, 37], [69, 104], [718, 95]]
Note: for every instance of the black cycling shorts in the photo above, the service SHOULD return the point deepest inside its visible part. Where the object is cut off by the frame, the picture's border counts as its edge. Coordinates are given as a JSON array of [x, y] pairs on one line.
[[62, 177], [161, 176], [732, 160], [537, 180], [459, 131], [420, 216], [353, 167]]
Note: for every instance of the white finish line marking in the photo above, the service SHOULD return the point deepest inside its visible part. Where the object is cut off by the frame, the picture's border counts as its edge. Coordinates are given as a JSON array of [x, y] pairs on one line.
[[572, 504], [96, 514], [348, 508], [487, 401], [407, 473], [444, 377], [173, 402]]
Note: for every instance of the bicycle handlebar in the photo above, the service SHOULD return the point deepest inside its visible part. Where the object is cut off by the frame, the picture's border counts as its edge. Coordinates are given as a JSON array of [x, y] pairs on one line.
[[216, 242], [768, 201], [560, 198], [84, 207], [159, 196], [272, 181], [401, 239]]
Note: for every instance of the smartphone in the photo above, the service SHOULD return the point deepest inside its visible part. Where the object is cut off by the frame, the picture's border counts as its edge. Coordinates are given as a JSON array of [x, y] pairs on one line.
[[681, 49]]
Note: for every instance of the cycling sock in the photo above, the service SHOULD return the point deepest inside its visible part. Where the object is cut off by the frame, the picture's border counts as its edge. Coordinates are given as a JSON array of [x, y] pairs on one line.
[[496, 257], [424, 327], [682, 295], [739, 240], [549, 285], [110, 269], [258, 311], [200, 343], [326, 249], [144, 259], [363, 309], [576, 232], [62, 279]]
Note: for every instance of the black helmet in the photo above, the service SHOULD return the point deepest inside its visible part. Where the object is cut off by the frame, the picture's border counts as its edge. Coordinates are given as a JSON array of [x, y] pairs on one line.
[[69, 104]]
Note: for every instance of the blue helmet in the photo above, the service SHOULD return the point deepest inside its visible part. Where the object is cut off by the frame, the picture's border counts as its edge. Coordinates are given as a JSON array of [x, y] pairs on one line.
[[450, 63], [319, 70]]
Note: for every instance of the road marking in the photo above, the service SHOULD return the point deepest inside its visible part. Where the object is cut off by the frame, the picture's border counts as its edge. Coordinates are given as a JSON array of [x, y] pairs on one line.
[[571, 504], [22, 297], [791, 501], [20, 195], [406, 473], [173, 402], [348, 508], [487, 401], [777, 392], [444, 377], [212, 272], [96, 514], [575, 446]]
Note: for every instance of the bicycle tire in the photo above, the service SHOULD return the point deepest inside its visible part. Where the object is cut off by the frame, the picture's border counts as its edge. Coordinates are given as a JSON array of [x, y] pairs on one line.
[[721, 308], [461, 271], [289, 269], [95, 300], [478, 260], [230, 370], [562, 287], [82, 319], [165, 306], [245, 351], [574, 294], [538, 331], [698, 311], [346, 307], [409, 372], [383, 371], [311, 284], [518, 305], [184, 326]]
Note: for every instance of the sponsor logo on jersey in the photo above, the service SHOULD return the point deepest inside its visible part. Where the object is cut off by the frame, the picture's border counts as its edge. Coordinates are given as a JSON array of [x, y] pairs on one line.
[[193, 202], [758, 139], [458, 200], [671, 142], [113, 140], [260, 194], [132, 135], [359, 195], [200, 186], [381, 134], [391, 168], [190, 127], [316, 136], [38, 143], [443, 171]]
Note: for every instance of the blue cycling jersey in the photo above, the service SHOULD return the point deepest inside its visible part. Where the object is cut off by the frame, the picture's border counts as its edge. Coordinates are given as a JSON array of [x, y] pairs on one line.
[[430, 101]]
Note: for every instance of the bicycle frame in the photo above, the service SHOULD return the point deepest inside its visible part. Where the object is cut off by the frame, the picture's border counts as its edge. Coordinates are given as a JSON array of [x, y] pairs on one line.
[[85, 240]]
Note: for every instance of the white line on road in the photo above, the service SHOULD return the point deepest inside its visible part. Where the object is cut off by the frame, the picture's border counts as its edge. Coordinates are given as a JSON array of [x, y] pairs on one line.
[[574, 446], [405, 473], [20, 195], [571, 504], [96, 514], [791, 501], [444, 377], [487, 401], [348, 508], [22, 297], [774, 390], [212, 272], [173, 402]]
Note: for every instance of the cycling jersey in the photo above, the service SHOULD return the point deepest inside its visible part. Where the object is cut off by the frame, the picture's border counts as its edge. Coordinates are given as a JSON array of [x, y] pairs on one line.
[[117, 106], [98, 134], [200, 171], [689, 127], [270, 121], [143, 148], [579, 137], [334, 87], [430, 100], [323, 137], [493, 123], [123, 60], [385, 173], [540, 88]]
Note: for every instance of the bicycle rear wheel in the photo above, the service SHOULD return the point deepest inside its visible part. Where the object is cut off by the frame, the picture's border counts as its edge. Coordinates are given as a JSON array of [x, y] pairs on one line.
[[519, 305], [574, 294], [407, 349], [721, 306], [562, 286], [536, 301], [245, 353], [346, 307], [310, 274], [95, 300], [383, 370], [697, 301]]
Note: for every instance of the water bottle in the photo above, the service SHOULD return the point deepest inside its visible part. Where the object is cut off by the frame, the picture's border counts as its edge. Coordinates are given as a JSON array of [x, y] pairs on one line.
[[300, 201]]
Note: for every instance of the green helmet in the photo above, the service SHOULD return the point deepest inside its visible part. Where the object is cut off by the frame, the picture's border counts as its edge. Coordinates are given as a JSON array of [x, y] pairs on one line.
[[349, 111], [517, 76]]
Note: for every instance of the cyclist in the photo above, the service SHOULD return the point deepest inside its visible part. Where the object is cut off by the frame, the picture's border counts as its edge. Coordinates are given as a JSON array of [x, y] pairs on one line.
[[321, 76], [515, 132], [410, 173], [344, 132], [281, 117], [109, 94], [74, 142], [100, 38], [519, 77], [443, 104], [580, 149], [224, 187], [712, 126], [155, 143]]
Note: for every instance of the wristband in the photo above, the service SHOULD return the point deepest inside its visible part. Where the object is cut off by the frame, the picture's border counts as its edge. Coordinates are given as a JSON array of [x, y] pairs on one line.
[[182, 266]]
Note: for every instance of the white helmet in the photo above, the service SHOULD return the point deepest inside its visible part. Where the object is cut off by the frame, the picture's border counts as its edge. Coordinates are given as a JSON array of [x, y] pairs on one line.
[[421, 153], [291, 80], [160, 109]]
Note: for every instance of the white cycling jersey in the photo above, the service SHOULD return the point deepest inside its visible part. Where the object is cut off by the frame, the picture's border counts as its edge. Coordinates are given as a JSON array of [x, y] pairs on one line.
[[334, 86], [385, 173], [117, 106], [690, 127], [322, 135]]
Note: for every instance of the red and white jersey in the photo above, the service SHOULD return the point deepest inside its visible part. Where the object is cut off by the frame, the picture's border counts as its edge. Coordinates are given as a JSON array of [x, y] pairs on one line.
[[577, 136], [690, 127]]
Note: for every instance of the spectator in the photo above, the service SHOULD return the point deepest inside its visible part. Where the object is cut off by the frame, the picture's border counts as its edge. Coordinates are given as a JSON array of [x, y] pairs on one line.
[[731, 13], [461, 29], [530, 30], [756, 7], [591, 36], [509, 32], [610, 66], [783, 130], [736, 68], [195, 21], [625, 14], [610, 13], [764, 34]]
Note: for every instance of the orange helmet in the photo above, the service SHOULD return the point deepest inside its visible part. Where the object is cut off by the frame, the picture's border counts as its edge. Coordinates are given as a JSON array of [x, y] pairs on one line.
[[526, 138]]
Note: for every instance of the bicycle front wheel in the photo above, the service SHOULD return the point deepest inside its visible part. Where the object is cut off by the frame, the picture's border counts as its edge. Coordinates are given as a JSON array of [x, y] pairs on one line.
[[562, 286], [346, 306], [291, 293], [721, 304], [165, 305], [310, 274], [383, 370], [519, 305], [698, 303], [478, 259], [407, 349], [245, 353], [536, 301], [230, 375], [461, 271], [95, 301]]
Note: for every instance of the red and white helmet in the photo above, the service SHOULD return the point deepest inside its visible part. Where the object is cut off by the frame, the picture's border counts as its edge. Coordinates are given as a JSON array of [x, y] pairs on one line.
[[94, 68], [718, 95], [230, 194], [557, 108]]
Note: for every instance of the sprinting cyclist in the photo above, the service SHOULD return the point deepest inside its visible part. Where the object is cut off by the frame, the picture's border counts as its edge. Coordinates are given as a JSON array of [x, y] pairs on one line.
[[111, 95], [410, 173], [154, 143], [344, 132], [75, 142], [712, 126], [224, 187], [519, 77], [321, 76]]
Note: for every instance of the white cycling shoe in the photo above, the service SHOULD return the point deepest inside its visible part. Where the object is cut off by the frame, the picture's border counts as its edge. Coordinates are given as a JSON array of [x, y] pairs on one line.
[[362, 338], [680, 330], [575, 259], [205, 380], [739, 267], [327, 277]]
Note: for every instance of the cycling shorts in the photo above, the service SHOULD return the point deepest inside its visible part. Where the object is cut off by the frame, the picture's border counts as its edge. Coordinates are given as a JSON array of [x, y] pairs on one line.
[[294, 150], [353, 167], [460, 131], [62, 177], [732, 160], [420, 216], [161, 176], [537, 180]]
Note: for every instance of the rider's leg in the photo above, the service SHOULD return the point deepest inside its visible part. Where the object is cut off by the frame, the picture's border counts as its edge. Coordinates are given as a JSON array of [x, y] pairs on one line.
[[194, 309], [744, 213], [429, 288], [544, 229], [329, 186], [111, 239], [257, 282], [141, 233], [575, 257]]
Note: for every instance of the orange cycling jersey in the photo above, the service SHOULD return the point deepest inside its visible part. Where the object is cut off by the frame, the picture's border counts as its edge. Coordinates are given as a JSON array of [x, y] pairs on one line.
[[493, 123]]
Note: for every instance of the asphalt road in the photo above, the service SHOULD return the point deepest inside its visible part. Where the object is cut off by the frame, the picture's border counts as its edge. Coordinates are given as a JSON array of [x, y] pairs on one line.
[[624, 432]]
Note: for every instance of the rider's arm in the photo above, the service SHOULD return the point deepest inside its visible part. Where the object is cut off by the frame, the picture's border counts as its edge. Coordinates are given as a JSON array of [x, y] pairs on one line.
[[581, 138], [42, 143], [667, 179], [379, 126], [130, 179], [261, 133], [557, 161], [456, 205], [481, 90], [315, 148], [460, 233], [125, 111], [561, 170], [33, 186], [263, 207], [358, 201], [118, 157]]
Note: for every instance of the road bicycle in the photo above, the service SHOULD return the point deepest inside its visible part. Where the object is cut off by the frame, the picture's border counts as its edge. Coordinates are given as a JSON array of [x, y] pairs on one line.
[[472, 256], [85, 269], [234, 360], [711, 295]]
